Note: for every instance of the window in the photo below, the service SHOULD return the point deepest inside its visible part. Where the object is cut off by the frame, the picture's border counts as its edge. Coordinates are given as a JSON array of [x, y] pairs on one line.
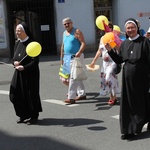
[[3, 41], [102, 3]]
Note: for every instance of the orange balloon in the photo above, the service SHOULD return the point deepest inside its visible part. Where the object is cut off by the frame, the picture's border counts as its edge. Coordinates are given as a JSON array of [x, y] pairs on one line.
[[110, 39]]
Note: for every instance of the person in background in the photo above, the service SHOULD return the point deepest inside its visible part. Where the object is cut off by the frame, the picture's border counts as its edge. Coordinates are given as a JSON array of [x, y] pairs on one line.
[[147, 35], [73, 45], [141, 31], [24, 87], [135, 103], [109, 80]]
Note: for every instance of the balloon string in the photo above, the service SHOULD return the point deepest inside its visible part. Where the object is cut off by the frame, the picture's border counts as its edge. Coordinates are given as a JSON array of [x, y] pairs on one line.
[[23, 58]]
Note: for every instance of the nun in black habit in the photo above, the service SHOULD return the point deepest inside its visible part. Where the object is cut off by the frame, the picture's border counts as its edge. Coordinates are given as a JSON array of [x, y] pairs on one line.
[[135, 103], [24, 87]]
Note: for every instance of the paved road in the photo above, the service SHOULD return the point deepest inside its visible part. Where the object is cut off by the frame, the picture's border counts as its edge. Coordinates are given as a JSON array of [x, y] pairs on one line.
[[88, 125]]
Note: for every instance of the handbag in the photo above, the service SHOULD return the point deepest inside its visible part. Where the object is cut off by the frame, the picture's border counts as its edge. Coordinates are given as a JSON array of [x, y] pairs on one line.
[[62, 74], [77, 70], [117, 69], [66, 64]]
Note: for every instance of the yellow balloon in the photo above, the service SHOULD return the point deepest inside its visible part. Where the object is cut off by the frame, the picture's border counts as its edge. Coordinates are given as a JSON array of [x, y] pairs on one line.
[[116, 28], [33, 49], [99, 22]]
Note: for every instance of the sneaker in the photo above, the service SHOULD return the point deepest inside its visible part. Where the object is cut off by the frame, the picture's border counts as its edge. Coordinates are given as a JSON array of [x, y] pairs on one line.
[[70, 101]]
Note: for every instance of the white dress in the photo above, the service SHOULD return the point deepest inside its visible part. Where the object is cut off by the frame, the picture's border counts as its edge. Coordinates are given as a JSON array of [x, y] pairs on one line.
[[109, 80]]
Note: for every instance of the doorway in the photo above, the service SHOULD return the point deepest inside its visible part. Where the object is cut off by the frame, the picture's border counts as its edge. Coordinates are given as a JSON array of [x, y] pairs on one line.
[[39, 15], [102, 7]]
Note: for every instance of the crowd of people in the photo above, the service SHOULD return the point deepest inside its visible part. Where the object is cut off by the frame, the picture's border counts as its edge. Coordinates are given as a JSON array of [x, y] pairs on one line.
[[133, 53], [135, 101]]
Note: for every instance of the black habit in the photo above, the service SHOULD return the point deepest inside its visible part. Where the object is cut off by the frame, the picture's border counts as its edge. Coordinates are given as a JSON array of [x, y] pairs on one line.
[[24, 88], [135, 103]]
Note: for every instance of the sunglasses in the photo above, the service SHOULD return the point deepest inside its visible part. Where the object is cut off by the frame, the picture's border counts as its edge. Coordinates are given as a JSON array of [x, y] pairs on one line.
[[67, 23]]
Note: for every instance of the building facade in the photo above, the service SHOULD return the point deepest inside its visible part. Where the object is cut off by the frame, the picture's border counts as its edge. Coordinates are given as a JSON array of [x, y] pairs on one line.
[[45, 20]]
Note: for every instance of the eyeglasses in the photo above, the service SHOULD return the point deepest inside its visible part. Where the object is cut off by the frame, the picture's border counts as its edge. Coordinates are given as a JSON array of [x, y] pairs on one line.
[[66, 23]]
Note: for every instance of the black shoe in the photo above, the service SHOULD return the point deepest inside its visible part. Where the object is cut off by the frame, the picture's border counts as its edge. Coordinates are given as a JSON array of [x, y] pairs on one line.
[[148, 126], [21, 120], [127, 136], [32, 121]]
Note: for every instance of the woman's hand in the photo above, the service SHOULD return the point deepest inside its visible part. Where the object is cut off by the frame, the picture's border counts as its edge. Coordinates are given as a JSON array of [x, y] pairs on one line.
[[92, 65], [20, 67], [78, 54], [107, 46], [16, 63]]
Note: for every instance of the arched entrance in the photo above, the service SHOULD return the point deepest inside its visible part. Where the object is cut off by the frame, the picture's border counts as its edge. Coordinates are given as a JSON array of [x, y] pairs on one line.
[[39, 15]]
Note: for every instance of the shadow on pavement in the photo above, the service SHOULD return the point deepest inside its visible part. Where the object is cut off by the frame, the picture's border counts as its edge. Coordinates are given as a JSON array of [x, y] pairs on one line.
[[97, 128], [68, 122], [101, 102], [9, 142]]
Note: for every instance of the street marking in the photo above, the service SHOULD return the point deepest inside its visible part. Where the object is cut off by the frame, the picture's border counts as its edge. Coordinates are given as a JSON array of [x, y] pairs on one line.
[[4, 92], [117, 117], [59, 102], [54, 101]]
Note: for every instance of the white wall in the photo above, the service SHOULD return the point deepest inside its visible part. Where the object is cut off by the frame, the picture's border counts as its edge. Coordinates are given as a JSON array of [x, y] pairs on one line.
[[82, 14], [131, 9]]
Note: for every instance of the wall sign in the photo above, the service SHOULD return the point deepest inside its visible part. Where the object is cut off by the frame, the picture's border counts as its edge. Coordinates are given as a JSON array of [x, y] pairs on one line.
[[144, 14], [45, 28]]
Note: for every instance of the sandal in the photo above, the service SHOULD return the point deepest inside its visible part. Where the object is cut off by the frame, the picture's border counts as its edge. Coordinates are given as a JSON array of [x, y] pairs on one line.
[[70, 101], [112, 102]]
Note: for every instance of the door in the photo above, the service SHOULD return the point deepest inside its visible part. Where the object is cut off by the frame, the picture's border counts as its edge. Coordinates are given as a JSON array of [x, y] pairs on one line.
[[102, 7], [39, 15]]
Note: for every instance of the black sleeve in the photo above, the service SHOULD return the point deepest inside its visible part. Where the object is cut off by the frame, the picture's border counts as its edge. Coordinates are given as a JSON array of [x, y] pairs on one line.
[[33, 63], [116, 57], [147, 52]]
